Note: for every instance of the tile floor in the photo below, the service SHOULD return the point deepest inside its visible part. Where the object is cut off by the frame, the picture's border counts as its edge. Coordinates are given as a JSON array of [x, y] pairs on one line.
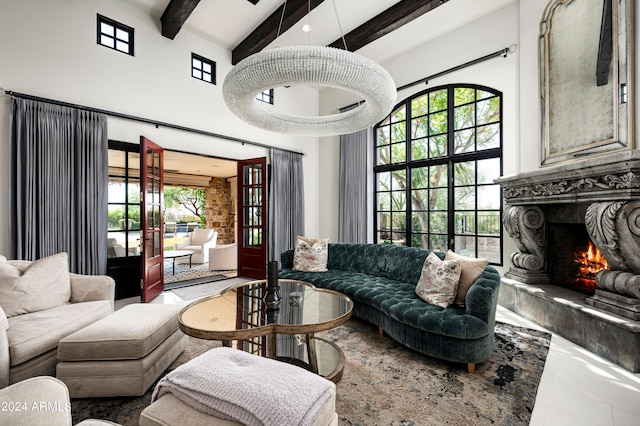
[[577, 386]]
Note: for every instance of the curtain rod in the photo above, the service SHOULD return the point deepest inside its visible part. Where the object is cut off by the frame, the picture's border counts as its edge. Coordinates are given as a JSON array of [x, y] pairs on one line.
[[501, 52], [145, 120]]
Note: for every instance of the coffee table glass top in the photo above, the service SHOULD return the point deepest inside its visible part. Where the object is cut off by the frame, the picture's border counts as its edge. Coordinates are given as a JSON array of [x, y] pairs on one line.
[[284, 331], [303, 309], [171, 254]]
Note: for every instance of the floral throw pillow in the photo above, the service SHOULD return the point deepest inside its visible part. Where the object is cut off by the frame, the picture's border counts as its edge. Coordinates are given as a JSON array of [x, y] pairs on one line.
[[311, 255], [438, 281]]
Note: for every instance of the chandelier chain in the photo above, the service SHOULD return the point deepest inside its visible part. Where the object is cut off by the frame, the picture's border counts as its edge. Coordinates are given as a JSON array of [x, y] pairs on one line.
[[335, 10], [284, 8]]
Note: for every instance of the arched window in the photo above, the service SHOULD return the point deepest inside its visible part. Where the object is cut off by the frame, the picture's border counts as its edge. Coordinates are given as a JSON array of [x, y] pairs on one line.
[[436, 157]]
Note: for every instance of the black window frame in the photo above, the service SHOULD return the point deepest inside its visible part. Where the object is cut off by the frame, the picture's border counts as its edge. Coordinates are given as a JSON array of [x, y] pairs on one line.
[[129, 177], [117, 26], [408, 165], [203, 60]]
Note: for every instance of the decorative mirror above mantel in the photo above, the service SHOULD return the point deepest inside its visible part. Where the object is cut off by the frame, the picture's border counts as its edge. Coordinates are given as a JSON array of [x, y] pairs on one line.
[[586, 59]]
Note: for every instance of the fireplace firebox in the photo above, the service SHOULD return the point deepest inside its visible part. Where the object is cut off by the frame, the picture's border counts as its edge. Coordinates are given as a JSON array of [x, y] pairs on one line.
[[572, 259]]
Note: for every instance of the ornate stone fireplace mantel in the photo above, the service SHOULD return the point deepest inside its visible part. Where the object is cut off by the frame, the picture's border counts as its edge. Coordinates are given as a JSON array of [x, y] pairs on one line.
[[610, 186], [613, 177]]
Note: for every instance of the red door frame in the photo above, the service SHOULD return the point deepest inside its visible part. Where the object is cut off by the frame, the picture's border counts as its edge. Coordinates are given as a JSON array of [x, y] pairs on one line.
[[252, 218], [152, 229]]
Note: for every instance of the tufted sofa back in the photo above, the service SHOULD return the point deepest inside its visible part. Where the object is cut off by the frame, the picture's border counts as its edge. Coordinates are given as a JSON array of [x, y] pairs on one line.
[[395, 262]]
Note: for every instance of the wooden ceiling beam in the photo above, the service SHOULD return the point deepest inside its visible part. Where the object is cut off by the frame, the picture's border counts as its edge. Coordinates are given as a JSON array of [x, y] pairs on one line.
[[175, 15], [390, 20], [267, 31]]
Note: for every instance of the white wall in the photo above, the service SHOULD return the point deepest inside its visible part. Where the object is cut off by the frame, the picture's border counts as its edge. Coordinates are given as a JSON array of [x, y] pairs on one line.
[[48, 49], [487, 35]]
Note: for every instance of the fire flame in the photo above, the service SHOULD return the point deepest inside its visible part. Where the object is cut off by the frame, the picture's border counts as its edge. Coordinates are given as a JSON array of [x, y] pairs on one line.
[[591, 260]]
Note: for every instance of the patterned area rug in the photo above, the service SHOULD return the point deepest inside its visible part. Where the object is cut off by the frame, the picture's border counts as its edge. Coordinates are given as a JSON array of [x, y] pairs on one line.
[[186, 276], [385, 383]]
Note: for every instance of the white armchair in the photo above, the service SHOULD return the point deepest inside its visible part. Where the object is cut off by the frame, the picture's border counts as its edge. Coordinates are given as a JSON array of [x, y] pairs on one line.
[[223, 257], [199, 242]]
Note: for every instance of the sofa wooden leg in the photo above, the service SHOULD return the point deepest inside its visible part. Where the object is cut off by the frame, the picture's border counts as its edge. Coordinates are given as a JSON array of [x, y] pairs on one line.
[[380, 332], [471, 368]]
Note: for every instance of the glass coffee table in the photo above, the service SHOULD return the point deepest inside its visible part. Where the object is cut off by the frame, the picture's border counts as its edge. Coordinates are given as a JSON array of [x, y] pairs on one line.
[[239, 317]]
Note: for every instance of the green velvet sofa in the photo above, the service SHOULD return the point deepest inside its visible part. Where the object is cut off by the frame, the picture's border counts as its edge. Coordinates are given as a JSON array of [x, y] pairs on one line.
[[381, 281]]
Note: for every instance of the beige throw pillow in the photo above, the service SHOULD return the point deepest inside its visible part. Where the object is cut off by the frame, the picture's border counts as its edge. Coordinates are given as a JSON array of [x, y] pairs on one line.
[[438, 281], [311, 255], [43, 284], [472, 268]]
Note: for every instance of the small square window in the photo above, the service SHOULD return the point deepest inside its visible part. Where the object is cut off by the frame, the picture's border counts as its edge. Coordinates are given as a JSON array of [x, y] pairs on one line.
[[115, 35], [266, 96], [203, 69]]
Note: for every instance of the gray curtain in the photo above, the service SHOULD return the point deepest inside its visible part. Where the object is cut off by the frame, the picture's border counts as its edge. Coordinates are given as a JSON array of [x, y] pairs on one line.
[[286, 202], [59, 184], [354, 160]]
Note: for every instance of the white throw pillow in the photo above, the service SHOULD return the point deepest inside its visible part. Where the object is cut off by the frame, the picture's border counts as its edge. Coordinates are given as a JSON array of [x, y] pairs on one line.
[[438, 281], [43, 284], [472, 268], [311, 255]]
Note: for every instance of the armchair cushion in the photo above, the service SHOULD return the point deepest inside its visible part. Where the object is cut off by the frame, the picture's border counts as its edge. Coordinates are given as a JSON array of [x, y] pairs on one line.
[[34, 286]]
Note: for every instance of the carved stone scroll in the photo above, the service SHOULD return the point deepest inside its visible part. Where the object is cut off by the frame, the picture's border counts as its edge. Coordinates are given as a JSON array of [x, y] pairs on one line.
[[526, 226], [614, 227]]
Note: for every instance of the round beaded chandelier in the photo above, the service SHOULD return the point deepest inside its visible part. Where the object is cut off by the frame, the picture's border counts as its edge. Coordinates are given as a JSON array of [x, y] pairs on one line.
[[314, 66]]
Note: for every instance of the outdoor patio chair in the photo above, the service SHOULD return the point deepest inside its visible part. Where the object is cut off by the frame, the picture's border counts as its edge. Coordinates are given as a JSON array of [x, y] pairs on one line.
[[199, 242]]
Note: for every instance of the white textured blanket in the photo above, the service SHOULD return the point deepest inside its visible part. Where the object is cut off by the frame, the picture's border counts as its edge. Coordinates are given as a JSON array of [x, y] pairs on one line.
[[234, 385]]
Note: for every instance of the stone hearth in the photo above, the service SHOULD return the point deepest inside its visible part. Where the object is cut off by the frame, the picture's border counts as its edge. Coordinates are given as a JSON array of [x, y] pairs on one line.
[[603, 193]]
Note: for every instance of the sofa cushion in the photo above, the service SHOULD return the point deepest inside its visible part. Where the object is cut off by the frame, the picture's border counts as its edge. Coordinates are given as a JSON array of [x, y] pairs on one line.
[[439, 280], [472, 268], [201, 236], [311, 255], [34, 286], [35, 333]]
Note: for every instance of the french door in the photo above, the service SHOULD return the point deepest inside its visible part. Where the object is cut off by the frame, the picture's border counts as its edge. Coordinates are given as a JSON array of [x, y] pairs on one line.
[[151, 182], [252, 218]]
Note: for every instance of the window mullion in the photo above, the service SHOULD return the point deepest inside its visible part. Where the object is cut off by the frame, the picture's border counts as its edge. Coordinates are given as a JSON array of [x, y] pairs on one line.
[[409, 205], [451, 169]]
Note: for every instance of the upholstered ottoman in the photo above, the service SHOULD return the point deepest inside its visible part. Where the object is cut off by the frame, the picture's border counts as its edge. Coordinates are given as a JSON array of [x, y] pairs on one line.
[[121, 354], [228, 387]]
